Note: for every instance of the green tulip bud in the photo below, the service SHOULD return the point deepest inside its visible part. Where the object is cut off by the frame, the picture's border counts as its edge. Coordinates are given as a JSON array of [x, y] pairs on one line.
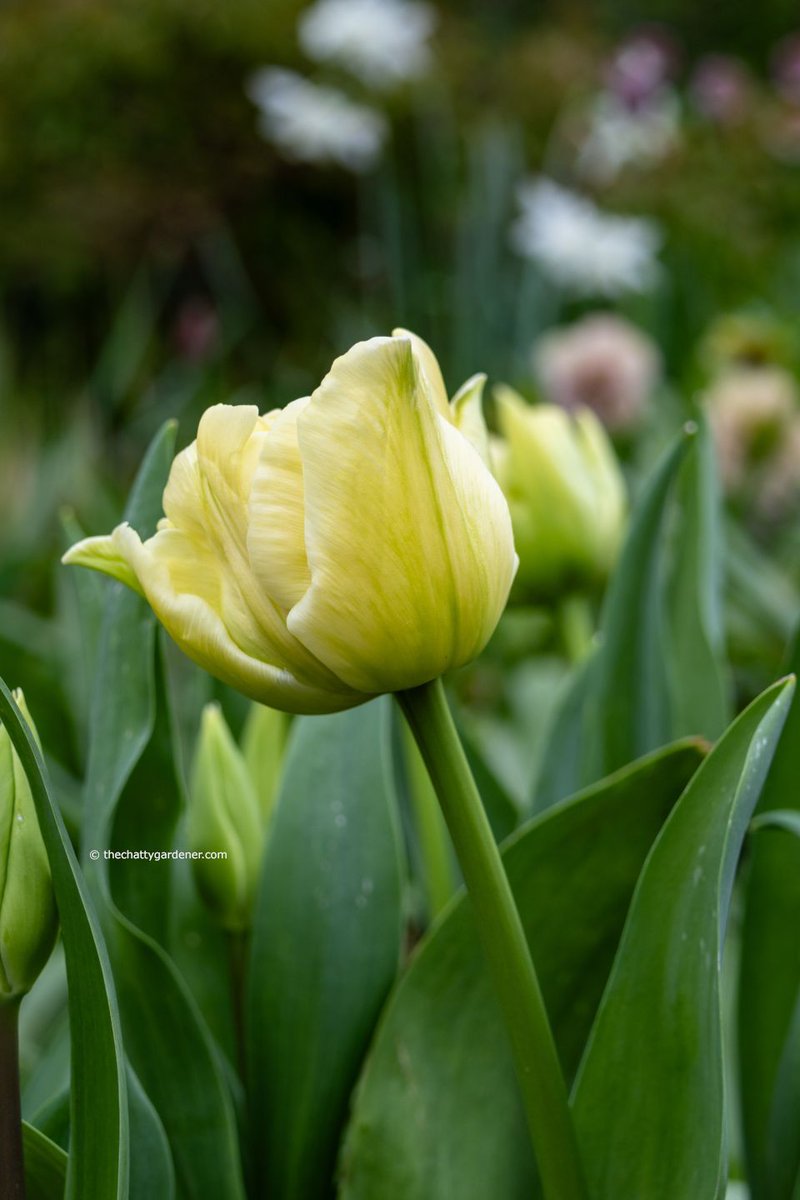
[[263, 746], [566, 494], [224, 816], [28, 914]]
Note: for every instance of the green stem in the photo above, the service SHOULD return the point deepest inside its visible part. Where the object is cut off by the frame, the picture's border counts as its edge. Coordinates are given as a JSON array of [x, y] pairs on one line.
[[434, 841], [238, 946], [505, 947], [576, 624], [12, 1164]]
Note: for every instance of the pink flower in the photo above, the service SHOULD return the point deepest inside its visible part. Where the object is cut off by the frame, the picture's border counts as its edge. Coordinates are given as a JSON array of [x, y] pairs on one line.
[[755, 421], [601, 362], [720, 88]]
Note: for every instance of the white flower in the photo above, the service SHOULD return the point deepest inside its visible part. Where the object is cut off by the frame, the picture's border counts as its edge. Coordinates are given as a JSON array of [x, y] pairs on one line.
[[579, 247], [620, 136], [314, 124], [382, 42]]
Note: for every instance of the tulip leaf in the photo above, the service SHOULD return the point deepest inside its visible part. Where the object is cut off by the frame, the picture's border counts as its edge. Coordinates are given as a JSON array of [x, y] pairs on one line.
[[326, 944], [152, 1172], [771, 952], [649, 1098], [45, 1166], [617, 707], [98, 1163], [629, 708], [132, 800], [700, 688], [437, 1112]]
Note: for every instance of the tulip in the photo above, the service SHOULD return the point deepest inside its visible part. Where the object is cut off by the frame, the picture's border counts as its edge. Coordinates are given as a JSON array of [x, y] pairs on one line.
[[223, 815], [566, 494], [350, 544], [28, 915]]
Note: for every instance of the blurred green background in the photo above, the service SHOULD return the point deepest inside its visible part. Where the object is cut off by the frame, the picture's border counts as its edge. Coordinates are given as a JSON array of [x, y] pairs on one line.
[[165, 245]]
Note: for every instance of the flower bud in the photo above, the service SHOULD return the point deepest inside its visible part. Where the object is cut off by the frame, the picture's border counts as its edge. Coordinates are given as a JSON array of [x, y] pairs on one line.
[[263, 746], [28, 915], [223, 816], [566, 494], [350, 544]]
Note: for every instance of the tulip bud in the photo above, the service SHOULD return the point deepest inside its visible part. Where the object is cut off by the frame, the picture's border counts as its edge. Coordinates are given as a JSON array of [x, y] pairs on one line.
[[28, 915], [223, 816], [263, 746], [350, 544], [566, 494]]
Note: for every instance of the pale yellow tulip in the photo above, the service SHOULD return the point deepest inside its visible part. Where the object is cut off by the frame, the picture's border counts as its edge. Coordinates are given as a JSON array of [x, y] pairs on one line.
[[566, 493], [350, 544]]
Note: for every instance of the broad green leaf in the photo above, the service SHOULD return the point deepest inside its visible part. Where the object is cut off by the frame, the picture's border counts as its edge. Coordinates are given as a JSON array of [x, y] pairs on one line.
[[649, 1097], [769, 980], [326, 945], [132, 801], [700, 687], [99, 1116], [45, 1166], [437, 1112], [617, 707]]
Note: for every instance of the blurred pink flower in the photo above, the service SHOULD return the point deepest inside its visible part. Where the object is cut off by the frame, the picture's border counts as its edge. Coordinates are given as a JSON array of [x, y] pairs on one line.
[[642, 64], [196, 329], [601, 362], [786, 68], [720, 88]]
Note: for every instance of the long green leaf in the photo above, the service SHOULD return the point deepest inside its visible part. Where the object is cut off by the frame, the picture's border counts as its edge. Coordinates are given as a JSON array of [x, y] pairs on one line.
[[629, 711], [437, 1112], [769, 980], [99, 1116], [700, 687], [649, 1098], [326, 945], [618, 706], [45, 1166]]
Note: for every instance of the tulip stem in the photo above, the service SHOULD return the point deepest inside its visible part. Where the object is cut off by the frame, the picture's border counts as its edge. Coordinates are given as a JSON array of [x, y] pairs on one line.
[[576, 625], [504, 944], [12, 1163]]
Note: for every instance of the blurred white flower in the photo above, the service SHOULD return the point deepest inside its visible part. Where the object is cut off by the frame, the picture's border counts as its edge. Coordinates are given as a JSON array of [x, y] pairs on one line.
[[620, 136], [737, 1191], [579, 247], [315, 124], [382, 42], [601, 362]]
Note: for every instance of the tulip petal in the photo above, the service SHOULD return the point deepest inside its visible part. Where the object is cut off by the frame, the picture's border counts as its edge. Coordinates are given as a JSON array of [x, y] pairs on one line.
[[275, 536], [408, 536], [467, 415], [430, 367], [103, 554], [188, 592]]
